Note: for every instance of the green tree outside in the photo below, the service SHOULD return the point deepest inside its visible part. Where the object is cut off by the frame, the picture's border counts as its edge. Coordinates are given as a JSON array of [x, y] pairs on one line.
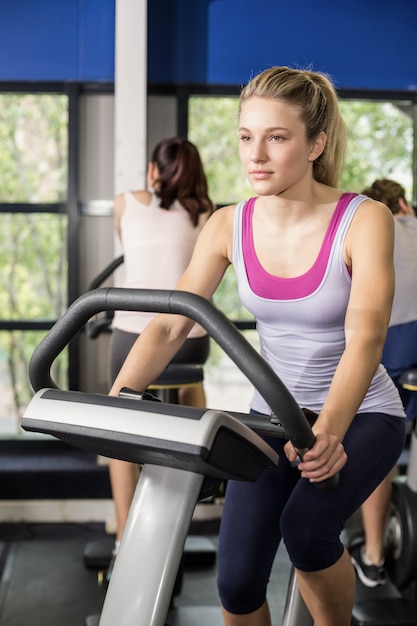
[[33, 255]]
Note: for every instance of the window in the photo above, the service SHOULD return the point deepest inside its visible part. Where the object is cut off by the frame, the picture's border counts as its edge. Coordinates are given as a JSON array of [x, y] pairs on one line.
[[33, 236], [380, 143]]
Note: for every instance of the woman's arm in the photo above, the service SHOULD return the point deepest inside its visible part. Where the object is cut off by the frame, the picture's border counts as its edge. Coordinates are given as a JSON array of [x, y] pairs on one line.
[[165, 334], [369, 253], [369, 249]]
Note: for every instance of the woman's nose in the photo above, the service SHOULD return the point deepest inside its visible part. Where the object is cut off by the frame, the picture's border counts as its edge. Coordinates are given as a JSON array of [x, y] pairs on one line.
[[257, 154]]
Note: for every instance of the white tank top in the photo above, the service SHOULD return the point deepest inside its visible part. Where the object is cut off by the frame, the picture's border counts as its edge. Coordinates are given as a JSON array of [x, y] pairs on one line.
[[404, 307], [157, 246], [300, 320]]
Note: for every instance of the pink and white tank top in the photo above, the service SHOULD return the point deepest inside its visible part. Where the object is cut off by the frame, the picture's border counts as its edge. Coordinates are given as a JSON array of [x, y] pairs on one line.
[[300, 320]]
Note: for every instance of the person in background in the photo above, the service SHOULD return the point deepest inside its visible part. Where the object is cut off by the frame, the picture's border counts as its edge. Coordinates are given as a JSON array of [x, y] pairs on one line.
[[399, 354], [314, 265], [158, 228]]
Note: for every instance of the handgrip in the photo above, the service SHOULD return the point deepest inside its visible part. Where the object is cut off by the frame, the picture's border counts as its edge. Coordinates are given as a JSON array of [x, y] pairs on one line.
[[333, 481]]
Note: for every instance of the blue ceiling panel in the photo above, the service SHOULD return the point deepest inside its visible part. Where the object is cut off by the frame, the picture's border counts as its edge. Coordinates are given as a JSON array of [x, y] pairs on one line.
[[360, 43], [55, 40]]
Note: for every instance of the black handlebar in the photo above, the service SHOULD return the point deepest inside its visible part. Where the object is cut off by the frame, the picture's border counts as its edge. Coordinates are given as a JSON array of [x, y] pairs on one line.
[[107, 272], [200, 310]]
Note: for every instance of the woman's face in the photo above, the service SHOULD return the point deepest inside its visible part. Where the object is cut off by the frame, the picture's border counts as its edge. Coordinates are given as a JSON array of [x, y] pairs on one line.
[[273, 147]]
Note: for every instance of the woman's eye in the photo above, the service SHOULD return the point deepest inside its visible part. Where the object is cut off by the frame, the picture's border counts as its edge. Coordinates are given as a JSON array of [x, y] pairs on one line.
[[244, 138], [277, 138]]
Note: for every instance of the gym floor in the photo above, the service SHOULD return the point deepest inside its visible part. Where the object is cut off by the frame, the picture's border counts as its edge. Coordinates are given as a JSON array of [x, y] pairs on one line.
[[43, 578], [44, 581]]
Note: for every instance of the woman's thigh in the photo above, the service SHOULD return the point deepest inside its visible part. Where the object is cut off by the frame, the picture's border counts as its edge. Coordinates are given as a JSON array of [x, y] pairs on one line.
[[373, 444]]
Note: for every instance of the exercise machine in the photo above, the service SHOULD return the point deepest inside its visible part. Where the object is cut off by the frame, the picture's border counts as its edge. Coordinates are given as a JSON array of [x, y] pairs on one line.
[[184, 451], [198, 549], [395, 603]]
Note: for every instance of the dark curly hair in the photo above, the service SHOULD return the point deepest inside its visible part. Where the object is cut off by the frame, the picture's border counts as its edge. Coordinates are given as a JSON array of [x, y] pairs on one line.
[[387, 191], [181, 177]]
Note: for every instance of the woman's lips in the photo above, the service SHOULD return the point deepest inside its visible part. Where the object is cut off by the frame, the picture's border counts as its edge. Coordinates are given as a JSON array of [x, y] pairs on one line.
[[260, 174]]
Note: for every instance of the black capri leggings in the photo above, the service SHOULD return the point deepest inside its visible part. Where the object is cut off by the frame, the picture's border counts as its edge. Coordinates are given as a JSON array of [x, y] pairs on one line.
[[194, 351], [280, 504]]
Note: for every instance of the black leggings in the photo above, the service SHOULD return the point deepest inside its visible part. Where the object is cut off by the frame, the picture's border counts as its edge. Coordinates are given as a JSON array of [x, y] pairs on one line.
[[282, 505], [194, 351]]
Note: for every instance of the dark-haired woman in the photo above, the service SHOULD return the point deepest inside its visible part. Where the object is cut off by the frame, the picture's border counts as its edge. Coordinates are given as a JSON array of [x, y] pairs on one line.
[[158, 228]]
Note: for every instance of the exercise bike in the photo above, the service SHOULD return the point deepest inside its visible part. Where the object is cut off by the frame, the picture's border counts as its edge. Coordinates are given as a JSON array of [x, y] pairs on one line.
[[395, 603], [199, 549], [184, 451]]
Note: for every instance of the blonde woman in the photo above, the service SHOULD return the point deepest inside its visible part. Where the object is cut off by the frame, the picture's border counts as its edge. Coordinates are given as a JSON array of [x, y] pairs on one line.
[[314, 266]]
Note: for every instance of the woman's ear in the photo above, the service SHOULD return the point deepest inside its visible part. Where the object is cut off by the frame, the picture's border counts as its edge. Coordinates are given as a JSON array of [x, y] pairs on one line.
[[152, 176], [405, 208], [317, 146]]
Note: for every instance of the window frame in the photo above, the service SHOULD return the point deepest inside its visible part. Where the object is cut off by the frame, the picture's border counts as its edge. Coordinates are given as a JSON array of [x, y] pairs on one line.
[[70, 207]]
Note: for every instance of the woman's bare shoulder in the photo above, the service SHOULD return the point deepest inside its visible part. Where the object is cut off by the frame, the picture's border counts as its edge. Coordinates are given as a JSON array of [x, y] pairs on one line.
[[217, 233], [372, 224], [143, 196], [221, 221], [224, 214], [373, 211]]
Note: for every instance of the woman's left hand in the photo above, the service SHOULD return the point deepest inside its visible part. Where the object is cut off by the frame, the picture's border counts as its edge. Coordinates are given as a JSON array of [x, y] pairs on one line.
[[323, 460]]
